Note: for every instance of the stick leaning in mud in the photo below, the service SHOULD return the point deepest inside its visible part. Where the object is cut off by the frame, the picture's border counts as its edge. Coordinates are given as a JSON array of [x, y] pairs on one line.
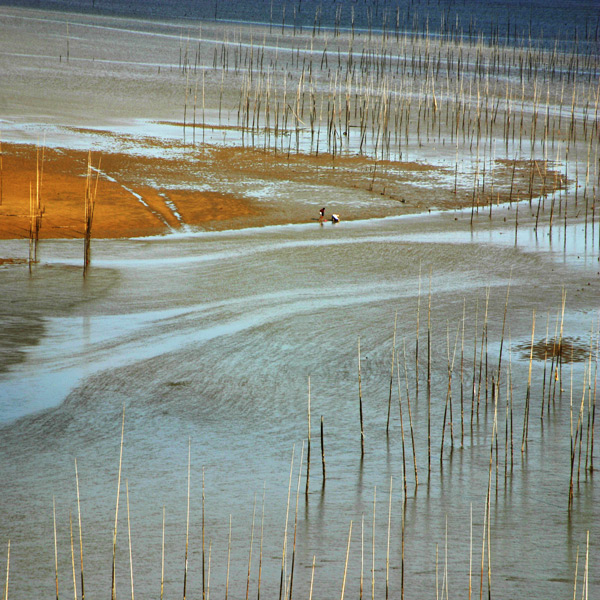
[[90, 203]]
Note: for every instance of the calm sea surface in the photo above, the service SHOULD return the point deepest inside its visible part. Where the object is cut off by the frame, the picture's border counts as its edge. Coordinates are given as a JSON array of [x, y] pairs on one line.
[[509, 20]]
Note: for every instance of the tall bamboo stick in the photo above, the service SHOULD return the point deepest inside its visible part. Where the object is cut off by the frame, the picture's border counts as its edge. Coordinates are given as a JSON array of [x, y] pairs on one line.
[[162, 557], [308, 445], [73, 557], [373, 546], [387, 428], [113, 582], [5, 596], [80, 533], [129, 536], [228, 561], [287, 512], [323, 449], [360, 404], [55, 547], [528, 396], [187, 520], [346, 563], [295, 526], [387, 556]]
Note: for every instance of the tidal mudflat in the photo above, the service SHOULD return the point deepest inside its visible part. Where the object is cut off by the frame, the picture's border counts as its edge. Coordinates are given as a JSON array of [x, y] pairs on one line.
[[438, 347]]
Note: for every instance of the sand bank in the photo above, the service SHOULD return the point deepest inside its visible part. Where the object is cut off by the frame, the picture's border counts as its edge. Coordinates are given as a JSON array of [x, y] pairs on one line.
[[209, 187]]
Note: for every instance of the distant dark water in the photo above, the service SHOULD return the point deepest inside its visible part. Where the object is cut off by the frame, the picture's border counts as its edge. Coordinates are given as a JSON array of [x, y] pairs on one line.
[[505, 20]]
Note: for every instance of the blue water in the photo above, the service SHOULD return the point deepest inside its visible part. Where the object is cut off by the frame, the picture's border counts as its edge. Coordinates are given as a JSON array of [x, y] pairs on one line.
[[508, 21]]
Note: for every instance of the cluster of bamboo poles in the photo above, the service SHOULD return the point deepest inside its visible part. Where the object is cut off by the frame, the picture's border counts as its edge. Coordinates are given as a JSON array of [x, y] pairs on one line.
[[36, 208], [288, 556], [389, 98], [390, 20], [431, 93], [478, 380], [480, 383]]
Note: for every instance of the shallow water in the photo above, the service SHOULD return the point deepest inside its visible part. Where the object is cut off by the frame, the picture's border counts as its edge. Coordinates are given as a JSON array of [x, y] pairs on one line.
[[211, 338]]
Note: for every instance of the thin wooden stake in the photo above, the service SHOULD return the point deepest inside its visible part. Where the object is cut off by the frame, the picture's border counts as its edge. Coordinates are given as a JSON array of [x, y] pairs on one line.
[[308, 448], [113, 583], [346, 563], [362, 431], [80, 532], [528, 396], [373, 546], [55, 547], [187, 525], [262, 529], [295, 526], [203, 547], [429, 378], [162, 558], [287, 512], [228, 561], [5, 596], [387, 556], [387, 428], [73, 557], [323, 449], [129, 535]]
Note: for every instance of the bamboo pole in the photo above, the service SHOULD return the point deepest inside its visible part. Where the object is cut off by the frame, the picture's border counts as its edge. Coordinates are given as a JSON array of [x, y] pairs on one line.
[[7, 571], [129, 536], [73, 557], [55, 547], [203, 546], [80, 532], [308, 445], [287, 512], [387, 556], [362, 556], [262, 529], [187, 520], [162, 558], [295, 526], [401, 428], [373, 546], [323, 449], [429, 377], [528, 395], [387, 428], [346, 563], [362, 431], [228, 561], [471, 554], [412, 434], [208, 573], [113, 582]]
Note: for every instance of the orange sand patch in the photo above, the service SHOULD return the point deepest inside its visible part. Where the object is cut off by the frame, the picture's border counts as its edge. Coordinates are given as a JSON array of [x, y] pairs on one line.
[[214, 207], [60, 176]]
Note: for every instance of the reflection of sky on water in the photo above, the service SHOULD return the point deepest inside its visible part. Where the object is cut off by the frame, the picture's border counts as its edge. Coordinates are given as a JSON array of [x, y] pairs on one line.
[[74, 347]]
